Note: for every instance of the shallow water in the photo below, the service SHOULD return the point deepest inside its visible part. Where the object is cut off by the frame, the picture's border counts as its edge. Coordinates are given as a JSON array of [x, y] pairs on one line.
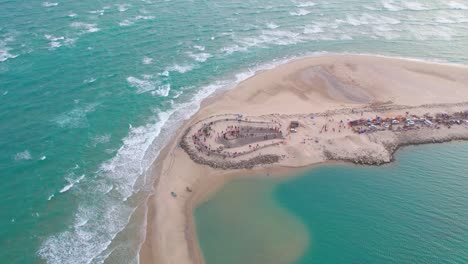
[[410, 211], [91, 90], [243, 220]]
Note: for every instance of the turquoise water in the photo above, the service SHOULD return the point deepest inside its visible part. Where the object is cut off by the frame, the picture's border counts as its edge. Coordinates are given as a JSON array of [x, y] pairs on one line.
[[411, 211], [91, 90]]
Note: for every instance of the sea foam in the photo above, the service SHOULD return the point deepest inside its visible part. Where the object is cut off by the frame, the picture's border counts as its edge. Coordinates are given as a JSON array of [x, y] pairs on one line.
[[312, 29], [75, 118], [457, 5], [444, 20], [57, 42], [147, 60], [199, 47], [162, 90], [306, 4], [49, 4], [24, 155], [86, 27], [179, 68], [366, 19], [177, 94], [430, 32], [71, 183], [141, 85], [280, 37], [90, 80], [272, 25], [5, 50], [385, 31], [100, 139], [414, 6], [5, 54], [104, 210], [131, 21], [200, 57], [232, 49], [123, 7], [263, 39], [99, 12], [391, 5], [125, 23], [300, 12]]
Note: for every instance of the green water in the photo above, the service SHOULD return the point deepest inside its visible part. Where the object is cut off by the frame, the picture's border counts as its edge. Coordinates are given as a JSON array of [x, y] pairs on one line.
[[414, 210]]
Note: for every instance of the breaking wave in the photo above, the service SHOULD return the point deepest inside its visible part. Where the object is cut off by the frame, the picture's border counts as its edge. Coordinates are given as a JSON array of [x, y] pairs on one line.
[[57, 42], [180, 68], [142, 86], [86, 27], [200, 57], [105, 209], [306, 4], [5, 51], [162, 90], [300, 12], [71, 183]]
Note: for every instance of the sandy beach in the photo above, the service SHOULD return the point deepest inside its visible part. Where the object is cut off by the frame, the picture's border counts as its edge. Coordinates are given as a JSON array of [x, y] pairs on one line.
[[323, 94]]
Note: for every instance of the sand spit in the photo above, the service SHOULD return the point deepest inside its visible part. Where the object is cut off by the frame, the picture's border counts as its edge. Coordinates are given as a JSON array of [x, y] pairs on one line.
[[323, 94]]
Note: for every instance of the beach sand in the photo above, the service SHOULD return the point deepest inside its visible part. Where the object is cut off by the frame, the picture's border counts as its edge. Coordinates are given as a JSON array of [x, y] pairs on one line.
[[309, 85]]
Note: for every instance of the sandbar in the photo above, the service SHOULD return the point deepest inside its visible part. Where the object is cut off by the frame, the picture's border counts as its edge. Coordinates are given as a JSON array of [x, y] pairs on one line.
[[346, 107]]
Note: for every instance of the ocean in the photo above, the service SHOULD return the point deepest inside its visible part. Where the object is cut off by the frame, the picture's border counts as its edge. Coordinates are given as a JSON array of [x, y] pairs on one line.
[[411, 211], [90, 91]]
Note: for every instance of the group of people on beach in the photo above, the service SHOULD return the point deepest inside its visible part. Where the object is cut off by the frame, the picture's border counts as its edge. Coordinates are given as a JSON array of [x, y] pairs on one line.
[[325, 127], [229, 137], [236, 132]]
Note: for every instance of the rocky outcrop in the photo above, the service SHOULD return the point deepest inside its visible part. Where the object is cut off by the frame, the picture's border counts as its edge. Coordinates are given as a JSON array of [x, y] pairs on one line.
[[404, 139], [434, 139], [226, 164], [367, 158]]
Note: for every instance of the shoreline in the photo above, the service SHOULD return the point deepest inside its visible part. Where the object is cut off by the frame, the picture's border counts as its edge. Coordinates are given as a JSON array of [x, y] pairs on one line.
[[171, 233]]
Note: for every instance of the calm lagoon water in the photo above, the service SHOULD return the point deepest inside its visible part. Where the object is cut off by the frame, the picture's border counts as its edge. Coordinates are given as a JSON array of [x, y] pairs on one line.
[[414, 210]]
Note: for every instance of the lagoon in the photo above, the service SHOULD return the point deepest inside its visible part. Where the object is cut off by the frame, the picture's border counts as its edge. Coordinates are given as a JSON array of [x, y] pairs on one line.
[[411, 211]]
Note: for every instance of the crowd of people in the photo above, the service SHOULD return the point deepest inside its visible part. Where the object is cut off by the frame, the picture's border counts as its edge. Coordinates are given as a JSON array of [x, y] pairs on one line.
[[234, 136]]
